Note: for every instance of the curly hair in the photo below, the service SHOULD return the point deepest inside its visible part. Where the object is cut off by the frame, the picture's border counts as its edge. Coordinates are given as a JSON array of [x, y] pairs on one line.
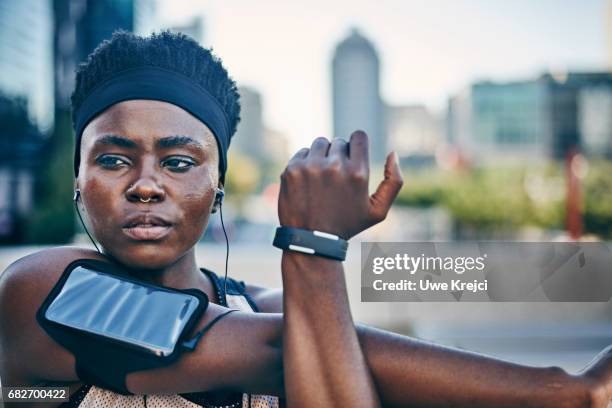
[[173, 51]]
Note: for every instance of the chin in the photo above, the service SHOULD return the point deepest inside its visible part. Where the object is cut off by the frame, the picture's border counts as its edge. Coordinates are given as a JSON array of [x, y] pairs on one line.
[[146, 256]]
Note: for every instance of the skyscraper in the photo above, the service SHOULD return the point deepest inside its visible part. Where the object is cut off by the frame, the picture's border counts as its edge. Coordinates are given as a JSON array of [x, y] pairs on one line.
[[249, 137], [356, 93]]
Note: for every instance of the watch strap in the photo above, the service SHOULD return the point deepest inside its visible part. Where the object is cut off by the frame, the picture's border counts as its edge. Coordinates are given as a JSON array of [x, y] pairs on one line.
[[311, 242]]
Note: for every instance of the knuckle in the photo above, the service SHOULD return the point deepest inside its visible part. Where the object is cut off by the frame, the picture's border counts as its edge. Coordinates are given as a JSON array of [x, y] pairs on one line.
[[359, 176], [314, 170], [333, 166], [291, 172], [339, 143]]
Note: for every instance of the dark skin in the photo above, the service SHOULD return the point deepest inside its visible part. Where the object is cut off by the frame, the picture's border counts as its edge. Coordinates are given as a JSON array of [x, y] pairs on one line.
[[245, 352]]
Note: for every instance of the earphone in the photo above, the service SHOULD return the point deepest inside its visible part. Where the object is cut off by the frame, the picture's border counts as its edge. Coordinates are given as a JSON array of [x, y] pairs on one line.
[[218, 199], [219, 194]]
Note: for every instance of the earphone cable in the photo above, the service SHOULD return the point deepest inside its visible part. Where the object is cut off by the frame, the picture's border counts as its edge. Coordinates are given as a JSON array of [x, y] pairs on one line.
[[226, 252], [76, 206]]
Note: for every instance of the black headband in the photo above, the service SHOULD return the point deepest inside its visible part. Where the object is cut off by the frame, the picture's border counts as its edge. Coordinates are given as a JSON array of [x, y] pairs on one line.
[[155, 84]]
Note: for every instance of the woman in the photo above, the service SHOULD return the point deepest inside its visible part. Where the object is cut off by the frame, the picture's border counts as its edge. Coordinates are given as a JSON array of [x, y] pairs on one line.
[[153, 119]]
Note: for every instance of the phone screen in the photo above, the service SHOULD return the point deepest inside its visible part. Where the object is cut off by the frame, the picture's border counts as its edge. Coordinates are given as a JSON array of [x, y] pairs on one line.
[[107, 305]]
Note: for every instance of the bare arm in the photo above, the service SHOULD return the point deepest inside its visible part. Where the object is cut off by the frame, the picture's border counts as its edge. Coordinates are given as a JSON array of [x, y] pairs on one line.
[[322, 358], [407, 372], [415, 373], [242, 352]]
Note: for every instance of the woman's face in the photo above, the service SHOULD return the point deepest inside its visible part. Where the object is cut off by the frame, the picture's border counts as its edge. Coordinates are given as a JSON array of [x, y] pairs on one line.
[[155, 152]]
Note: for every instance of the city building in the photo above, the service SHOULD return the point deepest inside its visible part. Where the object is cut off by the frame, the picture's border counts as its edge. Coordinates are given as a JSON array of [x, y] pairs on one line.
[[414, 133], [249, 137], [356, 96], [20, 147], [581, 112], [499, 122], [26, 56], [533, 120]]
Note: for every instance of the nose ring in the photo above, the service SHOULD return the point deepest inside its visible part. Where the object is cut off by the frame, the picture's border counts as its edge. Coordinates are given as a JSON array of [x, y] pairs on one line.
[[145, 201]]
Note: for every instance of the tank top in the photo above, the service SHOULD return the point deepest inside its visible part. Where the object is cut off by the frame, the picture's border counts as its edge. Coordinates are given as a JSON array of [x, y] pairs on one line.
[[91, 396]]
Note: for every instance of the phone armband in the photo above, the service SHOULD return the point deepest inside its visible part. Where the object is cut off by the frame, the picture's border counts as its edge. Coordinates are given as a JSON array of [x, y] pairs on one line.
[[115, 324]]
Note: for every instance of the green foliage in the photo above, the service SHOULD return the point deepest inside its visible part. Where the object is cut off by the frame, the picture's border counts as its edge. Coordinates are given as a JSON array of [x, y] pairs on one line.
[[512, 197]]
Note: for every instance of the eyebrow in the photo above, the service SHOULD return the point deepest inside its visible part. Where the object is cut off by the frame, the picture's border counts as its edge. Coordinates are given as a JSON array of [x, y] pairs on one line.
[[163, 143]]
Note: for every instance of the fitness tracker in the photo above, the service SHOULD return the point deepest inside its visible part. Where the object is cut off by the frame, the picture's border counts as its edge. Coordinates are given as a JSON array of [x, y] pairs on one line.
[[311, 242]]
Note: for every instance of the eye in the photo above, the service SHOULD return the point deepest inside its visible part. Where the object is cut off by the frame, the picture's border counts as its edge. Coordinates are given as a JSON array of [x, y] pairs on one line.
[[178, 164], [109, 161]]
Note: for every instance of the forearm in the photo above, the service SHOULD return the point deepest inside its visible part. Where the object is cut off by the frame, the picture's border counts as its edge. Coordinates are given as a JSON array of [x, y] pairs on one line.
[[322, 357], [245, 352], [412, 373]]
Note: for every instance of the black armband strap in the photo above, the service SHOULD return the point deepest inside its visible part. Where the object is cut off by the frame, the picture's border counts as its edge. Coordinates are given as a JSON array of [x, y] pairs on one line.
[[311, 242], [115, 324], [191, 344]]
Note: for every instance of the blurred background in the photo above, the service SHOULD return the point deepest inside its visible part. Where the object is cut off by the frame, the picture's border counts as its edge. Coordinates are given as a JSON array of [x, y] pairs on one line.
[[500, 112]]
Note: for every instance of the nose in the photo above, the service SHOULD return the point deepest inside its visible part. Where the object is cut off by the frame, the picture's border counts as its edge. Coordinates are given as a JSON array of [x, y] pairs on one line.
[[146, 188]]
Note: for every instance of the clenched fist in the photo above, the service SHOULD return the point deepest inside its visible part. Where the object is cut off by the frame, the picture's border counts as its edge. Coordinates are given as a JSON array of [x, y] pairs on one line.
[[325, 188]]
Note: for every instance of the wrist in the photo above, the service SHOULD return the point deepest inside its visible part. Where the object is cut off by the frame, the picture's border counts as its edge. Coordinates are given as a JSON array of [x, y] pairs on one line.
[[311, 261], [299, 269]]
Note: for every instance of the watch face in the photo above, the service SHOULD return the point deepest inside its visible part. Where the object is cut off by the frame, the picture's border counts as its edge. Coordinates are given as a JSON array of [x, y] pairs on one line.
[[146, 317]]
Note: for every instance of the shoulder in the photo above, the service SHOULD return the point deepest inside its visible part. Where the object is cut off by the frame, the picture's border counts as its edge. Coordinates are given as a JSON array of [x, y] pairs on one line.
[[27, 280], [45, 262], [268, 300], [24, 285]]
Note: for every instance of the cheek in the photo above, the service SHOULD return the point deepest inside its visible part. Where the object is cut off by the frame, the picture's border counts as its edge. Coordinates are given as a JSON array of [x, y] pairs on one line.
[[198, 197], [98, 201], [197, 205]]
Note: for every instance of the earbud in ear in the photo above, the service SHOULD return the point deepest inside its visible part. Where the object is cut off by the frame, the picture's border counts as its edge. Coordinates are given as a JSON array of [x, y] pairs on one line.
[[219, 196], [218, 199], [77, 194]]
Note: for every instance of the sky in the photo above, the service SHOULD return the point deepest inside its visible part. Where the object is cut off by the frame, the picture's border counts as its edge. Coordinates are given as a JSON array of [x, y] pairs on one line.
[[429, 50]]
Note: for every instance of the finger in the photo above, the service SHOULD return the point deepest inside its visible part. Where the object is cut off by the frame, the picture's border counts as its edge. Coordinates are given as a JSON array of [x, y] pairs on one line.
[[358, 149], [339, 147], [319, 147], [388, 189], [299, 155]]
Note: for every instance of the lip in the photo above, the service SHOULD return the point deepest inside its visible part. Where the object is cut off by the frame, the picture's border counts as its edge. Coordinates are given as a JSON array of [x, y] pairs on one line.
[[146, 219], [146, 227], [147, 232]]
